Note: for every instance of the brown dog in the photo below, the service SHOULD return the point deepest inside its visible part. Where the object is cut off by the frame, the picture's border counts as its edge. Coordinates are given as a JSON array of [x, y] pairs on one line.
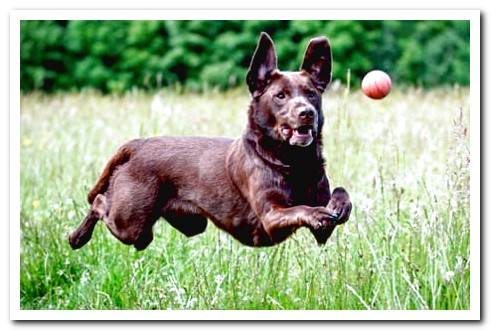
[[259, 188]]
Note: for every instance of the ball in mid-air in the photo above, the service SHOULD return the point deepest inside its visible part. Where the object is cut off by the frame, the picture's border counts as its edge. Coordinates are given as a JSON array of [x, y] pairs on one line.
[[376, 84]]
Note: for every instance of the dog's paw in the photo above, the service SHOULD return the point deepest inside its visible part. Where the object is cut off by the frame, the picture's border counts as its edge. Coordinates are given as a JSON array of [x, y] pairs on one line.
[[321, 218], [340, 205], [324, 223]]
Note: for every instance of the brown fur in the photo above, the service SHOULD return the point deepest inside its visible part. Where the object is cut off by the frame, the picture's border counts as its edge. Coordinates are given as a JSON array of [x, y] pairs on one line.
[[259, 188]]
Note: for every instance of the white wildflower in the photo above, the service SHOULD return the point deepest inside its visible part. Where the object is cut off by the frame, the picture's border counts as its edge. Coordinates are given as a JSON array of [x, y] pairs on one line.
[[84, 279], [219, 279], [448, 276], [71, 215], [459, 266]]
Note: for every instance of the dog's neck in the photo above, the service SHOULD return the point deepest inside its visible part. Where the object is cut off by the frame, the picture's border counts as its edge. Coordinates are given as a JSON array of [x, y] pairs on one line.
[[280, 154]]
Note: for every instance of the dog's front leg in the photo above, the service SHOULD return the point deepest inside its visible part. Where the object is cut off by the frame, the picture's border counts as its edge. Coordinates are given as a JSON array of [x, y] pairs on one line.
[[280, 223], [340, 205]]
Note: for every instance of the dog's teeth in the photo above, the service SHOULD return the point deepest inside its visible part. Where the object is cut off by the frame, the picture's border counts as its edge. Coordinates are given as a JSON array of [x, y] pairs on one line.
[[298, 133]]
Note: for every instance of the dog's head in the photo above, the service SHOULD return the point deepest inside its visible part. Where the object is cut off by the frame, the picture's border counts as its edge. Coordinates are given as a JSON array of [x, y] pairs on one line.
[[287, 105]]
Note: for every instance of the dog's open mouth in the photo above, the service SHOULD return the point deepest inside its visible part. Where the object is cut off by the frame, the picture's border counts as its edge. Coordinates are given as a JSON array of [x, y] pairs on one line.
[[300, 136], [304, 130]]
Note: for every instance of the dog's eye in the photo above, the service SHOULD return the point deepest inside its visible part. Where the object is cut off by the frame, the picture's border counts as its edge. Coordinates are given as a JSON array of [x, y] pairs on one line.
[[311, 94], [280, 95]]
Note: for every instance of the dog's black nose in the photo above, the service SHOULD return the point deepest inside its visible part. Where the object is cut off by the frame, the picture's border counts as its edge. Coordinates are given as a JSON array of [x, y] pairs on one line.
[[306, 114]]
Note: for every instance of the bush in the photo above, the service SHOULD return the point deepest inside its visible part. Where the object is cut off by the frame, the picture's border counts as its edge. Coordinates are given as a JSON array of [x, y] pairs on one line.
[[114, 56]]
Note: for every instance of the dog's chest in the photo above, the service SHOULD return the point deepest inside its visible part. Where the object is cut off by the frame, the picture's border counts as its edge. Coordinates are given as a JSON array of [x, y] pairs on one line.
[[300, 190]]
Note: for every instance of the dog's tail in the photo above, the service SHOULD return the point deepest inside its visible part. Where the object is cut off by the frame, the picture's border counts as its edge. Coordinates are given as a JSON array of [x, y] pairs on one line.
[[122, 156]]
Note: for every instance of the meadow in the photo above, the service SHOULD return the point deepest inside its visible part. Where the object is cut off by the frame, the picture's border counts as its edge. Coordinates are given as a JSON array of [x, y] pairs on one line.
[[404, 160]]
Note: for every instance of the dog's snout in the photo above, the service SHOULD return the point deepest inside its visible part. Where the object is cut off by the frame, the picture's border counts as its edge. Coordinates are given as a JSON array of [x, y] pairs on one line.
[[306, 113]]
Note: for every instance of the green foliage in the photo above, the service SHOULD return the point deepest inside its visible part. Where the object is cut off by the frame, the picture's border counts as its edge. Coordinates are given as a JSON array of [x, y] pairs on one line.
[[114, 56]]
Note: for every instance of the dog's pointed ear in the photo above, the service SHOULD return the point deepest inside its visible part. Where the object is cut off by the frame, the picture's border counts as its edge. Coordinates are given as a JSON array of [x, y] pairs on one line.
[[263, 64], [317, 62]]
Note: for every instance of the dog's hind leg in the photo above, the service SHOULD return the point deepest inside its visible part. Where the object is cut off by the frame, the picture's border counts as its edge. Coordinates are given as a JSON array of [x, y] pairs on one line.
[[82, 235], [133, 208]]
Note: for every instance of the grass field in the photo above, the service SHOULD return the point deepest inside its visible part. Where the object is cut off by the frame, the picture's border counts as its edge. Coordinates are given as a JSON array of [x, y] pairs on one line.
[[404, 160]]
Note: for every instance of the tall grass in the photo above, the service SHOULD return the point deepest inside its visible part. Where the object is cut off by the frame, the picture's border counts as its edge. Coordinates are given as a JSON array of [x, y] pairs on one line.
[[404, 160]]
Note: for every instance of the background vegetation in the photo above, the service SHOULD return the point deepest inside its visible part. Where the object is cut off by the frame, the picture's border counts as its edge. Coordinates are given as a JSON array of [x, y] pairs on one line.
[[406, 245], [114, 56]]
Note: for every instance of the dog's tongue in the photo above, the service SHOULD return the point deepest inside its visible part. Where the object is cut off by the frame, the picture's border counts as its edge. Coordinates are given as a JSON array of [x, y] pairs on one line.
[[286, 131]]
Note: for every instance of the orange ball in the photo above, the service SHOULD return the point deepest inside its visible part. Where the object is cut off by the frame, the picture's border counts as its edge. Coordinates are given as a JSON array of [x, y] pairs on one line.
[[376, 84]]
